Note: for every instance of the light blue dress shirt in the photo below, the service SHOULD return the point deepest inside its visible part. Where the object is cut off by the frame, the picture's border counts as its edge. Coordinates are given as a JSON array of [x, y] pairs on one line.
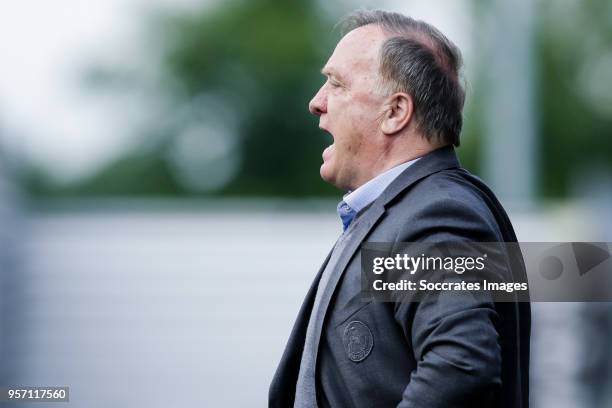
[[355, 201]]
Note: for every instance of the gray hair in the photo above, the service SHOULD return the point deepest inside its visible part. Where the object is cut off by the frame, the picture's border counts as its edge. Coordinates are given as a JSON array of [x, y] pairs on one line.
[[419, 60]]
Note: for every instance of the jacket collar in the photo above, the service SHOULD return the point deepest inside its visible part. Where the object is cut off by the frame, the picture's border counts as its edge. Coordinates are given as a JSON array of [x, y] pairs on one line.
[[440, 159]]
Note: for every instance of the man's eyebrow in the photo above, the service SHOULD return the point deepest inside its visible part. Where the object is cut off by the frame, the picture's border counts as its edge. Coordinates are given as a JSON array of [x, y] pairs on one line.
[[330, 72], [335, 75]]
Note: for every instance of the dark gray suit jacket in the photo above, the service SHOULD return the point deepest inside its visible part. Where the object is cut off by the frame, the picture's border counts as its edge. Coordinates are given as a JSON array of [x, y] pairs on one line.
[[472, 353]]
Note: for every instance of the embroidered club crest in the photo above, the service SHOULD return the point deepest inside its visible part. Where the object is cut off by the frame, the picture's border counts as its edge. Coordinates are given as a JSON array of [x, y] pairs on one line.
[[357, 341]]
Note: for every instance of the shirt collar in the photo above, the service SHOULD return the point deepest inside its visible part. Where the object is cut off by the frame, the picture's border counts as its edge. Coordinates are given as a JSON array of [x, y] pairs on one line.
[[368, 192]]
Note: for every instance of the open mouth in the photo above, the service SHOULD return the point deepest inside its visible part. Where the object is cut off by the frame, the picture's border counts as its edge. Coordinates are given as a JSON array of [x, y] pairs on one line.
[[327, 132], [329, 149]]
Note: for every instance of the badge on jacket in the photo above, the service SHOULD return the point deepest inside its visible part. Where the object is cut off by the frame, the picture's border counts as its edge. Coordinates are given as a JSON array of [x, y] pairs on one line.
[[358, 341]]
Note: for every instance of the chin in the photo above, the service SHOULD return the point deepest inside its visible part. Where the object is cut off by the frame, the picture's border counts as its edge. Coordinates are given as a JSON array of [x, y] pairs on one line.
[[325, 173], [331, 177]]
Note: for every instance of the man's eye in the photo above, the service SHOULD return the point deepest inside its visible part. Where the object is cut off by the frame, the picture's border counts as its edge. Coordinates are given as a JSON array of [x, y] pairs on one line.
[[334, 84]]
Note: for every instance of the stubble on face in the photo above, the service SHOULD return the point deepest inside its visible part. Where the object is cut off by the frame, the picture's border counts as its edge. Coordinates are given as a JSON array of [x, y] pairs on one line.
[[352, 108]]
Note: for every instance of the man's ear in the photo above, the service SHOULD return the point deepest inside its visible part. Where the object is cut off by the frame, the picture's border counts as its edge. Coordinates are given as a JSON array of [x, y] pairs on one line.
[[399, 110]]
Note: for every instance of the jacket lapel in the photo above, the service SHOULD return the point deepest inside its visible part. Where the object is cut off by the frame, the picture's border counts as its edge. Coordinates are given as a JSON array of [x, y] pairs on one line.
[[441, 159], [354, 236], [282, 388]]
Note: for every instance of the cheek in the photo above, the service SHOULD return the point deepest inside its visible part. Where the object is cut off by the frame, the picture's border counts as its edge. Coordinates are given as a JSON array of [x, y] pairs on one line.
[[358, 123], [353, 115]]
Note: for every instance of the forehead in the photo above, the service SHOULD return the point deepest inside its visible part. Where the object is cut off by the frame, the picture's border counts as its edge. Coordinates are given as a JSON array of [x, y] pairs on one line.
[[357, 51]]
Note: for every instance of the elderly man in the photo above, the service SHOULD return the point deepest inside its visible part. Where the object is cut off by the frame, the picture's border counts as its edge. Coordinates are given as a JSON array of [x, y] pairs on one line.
[[392, 103]]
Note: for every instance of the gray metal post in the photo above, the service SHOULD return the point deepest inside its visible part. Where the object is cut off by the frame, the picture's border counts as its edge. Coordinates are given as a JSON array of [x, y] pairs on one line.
[[510, 108]]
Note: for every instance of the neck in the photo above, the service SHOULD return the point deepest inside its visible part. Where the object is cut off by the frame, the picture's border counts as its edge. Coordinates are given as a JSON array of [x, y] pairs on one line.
[[395, 155]]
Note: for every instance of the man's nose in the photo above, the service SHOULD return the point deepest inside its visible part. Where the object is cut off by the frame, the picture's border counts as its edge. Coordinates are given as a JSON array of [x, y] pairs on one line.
[[318, 104]]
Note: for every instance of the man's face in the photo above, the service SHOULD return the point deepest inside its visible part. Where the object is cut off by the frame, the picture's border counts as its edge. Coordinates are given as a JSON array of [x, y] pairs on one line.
[[349, 108]]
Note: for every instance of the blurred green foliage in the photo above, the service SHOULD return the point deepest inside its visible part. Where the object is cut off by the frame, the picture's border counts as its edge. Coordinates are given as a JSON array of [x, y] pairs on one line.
[[574, 77], [260, 60]]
